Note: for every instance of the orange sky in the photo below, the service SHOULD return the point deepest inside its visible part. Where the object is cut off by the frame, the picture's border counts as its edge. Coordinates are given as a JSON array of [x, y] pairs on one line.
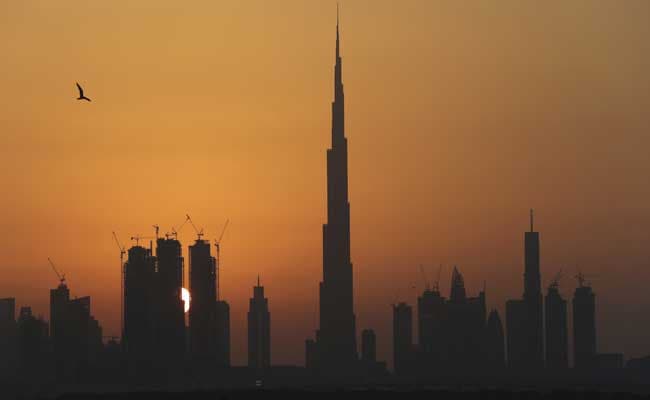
[[460, 117]]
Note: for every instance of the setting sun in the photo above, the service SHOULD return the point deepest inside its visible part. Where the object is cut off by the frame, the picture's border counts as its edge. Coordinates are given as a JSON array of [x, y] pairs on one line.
[[187, 299]]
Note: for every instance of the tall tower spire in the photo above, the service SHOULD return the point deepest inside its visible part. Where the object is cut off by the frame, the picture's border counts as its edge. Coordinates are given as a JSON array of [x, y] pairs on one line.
[[338, 53], [337, 338], [532, 220]]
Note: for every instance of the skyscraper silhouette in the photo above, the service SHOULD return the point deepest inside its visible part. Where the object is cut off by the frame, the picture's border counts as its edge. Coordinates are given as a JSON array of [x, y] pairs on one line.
[[170, 313], [402, 338], [8, 351], [336, 343], [203, 318], [556, 329], [259, 329], [465, 327], [494, 342], [584, 326], [222, 322], [76, 335], [368, 346], [432, 335], [524, 318], [138, 339]]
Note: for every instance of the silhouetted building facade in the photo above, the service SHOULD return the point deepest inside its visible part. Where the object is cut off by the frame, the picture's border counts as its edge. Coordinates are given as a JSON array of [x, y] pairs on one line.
[[432, 335], [465, 326], [8, 353], [556, 329], [170, 313], [259, 330], [33, 344], [584, 326], [524, 318], [402, 338], [75, 334], [495, 357], [451, 332], [222, 317], [368, 346], [336, 341], [203, 313], [138, 338]]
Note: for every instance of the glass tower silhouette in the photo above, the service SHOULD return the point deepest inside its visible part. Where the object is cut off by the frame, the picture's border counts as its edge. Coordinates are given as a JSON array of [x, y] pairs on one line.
[[337, 338]]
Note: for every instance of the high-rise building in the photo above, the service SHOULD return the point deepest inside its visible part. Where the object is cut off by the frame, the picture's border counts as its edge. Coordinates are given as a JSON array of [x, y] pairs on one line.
[[8, 353], [337, 336], [259, 329], [61, 337], [495, 342], [139, 330], [170, 315], [464, 326], [75, 334], [368, 346], [203, 312], [402, 338], [584, 326], [7, 310], [556, 329], [525, 318], [32, 343], [222, 323], [432, 314]]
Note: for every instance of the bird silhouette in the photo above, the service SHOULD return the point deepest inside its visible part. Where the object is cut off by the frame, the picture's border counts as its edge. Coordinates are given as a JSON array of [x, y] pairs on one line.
[[81, 93]]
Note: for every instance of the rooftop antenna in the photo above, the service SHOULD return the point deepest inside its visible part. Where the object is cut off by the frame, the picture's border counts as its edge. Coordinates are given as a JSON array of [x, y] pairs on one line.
[[258, 280], [157, 228], [532, 220]]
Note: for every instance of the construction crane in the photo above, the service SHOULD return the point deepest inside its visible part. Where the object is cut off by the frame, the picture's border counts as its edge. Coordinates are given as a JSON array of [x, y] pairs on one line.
[[122, 276], [199, 233], [424, 277], [555, 282], [582, 278], [217, 246], [61, 277], [436, 285], [137, 238], [175, 231]]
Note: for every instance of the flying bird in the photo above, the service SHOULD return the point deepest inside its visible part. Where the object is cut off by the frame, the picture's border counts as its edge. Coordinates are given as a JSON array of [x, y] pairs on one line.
[[81, 93]]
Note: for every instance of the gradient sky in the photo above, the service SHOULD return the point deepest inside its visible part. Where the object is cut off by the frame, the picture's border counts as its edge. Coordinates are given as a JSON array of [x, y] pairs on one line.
[[460, 117]]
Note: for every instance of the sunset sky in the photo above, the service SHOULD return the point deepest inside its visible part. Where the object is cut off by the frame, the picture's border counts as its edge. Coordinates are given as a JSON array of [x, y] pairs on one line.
[[460, 117]]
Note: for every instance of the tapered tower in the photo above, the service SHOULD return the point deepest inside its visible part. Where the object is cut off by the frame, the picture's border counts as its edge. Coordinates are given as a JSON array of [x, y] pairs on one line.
[[337, 340]]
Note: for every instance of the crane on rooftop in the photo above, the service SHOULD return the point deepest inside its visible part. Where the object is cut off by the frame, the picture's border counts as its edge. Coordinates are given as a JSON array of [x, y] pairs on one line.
[[217, 245], [555, 282], [60, 276], [122, 275], [199, 233], [174, 232]]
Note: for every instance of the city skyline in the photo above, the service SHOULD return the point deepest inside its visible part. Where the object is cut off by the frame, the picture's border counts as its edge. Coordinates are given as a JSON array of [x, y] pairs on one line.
[[593, 226]]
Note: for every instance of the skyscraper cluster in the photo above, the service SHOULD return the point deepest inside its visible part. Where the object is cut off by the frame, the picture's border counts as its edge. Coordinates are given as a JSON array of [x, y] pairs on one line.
[[162, 335], [456, 337], [155, 333]]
